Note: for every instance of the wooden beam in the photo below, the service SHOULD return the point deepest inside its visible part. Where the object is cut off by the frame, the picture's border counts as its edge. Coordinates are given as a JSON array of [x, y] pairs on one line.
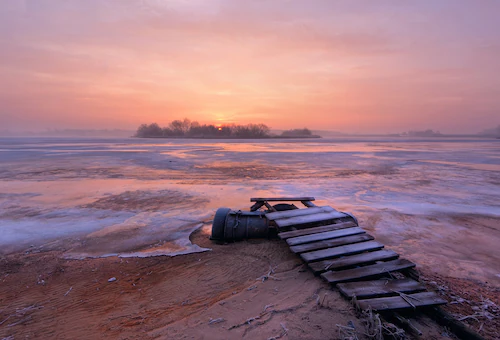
[[350, 249], [284, 199], [447, 320], [324, 236], [334, 242], [256, 206], [404, 301], [308, 204], [269, 206], [353, 260], [371, 271], [379, 288], [297, 212], [321, 217], [307, 231]]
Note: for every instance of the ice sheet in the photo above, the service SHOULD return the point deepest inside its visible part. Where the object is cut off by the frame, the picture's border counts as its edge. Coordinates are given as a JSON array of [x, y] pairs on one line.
[[140, 197]]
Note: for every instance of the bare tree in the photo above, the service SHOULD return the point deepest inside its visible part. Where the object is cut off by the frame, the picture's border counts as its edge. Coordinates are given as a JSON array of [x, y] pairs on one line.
[[151, 130], [180, 127]]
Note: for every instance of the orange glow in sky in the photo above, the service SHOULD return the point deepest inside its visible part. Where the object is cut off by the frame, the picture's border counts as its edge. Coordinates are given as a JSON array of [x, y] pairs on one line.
[[352, 66]]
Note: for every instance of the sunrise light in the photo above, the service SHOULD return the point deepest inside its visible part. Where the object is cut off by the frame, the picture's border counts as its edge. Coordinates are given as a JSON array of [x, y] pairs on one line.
[[331, 65], [249, 169]]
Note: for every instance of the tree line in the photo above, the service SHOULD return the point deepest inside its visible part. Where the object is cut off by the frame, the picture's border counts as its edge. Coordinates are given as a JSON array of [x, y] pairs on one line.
[[193, 129]]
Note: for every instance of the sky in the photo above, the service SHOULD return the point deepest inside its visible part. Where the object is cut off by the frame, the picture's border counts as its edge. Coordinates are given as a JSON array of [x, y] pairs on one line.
[[356, 66]]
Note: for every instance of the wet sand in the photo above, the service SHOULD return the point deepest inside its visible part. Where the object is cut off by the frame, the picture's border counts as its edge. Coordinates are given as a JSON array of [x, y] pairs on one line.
[[73, 216], [196, 296]]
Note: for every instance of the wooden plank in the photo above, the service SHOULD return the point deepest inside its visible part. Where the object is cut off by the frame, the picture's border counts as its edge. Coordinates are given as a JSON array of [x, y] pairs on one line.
[[398, 302], [285, 222], [349, 249], [284, 199], [324, 236], [308, 204], [269, 206], [256, 206], [353, 260], [307, 231], [379, 288], [334, 242], [374, 270], [297, 212]]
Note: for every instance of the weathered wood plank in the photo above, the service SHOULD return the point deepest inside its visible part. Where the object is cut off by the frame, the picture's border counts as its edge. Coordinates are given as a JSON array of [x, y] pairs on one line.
[[379, 288], [256, 206], [269, 206], [349, 249], [353, 260], [307, 231], [398, 302], [285, 222], [297, 212], [308, 204], [371, 271], [334, 242], [324, 236], [284, 199]]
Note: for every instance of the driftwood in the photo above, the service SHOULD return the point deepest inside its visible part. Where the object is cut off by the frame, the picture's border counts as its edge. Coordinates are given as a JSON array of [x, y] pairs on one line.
[[266, 316], [268, 276], [23, 313], [457, 327], [282, 334], [218, 320]]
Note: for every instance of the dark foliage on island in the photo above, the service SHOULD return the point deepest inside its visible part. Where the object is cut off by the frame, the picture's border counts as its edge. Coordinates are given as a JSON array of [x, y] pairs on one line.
[[187, 128], [298, 133]]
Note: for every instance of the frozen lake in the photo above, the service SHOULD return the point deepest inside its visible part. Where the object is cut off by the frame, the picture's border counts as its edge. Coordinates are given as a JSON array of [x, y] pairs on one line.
[[436, 201]]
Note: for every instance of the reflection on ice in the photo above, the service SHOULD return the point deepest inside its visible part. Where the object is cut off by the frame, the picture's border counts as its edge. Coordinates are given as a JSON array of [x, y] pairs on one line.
[[139, 197], [145, 234]]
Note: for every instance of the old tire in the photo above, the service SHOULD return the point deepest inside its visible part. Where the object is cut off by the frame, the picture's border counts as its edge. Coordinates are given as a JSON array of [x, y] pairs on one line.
[[219, 224], [284, 206]]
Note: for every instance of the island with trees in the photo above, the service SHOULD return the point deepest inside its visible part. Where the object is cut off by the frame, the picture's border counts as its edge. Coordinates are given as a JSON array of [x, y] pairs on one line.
[[191, 129]]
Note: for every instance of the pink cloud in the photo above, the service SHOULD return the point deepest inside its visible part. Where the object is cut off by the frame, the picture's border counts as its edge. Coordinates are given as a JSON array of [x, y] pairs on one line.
[[340, 64]]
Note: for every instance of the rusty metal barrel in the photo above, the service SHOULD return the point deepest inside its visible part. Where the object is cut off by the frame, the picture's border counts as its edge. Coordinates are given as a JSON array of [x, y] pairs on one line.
[[234, 225]]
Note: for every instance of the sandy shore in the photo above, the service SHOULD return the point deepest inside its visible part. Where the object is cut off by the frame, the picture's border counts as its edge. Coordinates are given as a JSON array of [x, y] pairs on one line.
[[209, 295]]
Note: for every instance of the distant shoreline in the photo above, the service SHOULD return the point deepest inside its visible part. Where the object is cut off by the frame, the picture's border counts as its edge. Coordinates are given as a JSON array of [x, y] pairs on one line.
[[192, 129], [228, 137]]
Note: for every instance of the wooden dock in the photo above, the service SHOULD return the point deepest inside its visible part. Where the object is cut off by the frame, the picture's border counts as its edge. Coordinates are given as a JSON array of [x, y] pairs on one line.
[[343, 254]]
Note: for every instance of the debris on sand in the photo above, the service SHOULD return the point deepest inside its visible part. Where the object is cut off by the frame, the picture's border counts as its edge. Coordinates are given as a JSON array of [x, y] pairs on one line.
[[282, 334], [22, 314], [347, 332], [69, 290], [218, 320], [268, 276]]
